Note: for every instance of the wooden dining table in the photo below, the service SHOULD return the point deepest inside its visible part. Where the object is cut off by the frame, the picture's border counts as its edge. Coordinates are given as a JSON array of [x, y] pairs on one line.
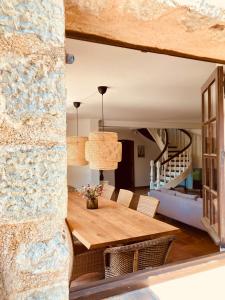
[[111, 224]]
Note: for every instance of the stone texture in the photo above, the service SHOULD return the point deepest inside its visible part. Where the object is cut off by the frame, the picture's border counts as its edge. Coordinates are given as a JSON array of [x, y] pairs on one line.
[[56, 292], [32, 183], [33, 255], [43, 256], [194, 28], [43, 18], [36, 114], [34, 250]]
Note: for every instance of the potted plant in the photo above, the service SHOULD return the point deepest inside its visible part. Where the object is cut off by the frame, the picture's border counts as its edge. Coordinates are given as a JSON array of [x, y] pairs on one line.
[[91, 194]]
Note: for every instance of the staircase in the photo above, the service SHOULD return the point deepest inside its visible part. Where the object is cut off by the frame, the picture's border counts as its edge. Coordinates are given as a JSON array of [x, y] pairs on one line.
[[174, 163]]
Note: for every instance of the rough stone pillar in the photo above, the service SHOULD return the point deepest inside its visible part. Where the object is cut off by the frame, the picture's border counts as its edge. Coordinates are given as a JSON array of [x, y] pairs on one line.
[[33, 246]]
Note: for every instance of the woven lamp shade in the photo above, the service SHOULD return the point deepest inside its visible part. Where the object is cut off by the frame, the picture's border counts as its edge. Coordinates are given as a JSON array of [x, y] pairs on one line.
[[103, 151], [76, 150]]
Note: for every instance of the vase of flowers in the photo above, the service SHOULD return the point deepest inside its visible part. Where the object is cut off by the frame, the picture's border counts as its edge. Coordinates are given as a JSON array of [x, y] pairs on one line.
[[91, 194]]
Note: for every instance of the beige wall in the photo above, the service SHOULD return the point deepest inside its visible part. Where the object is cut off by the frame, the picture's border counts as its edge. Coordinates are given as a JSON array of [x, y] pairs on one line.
[[141, 165]]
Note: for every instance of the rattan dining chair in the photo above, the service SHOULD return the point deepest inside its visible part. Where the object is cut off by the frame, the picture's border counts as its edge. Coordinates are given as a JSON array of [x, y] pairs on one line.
[[82, 260], [125, 197], [90, 261], [107, 191], [131, 258], [71, 188], [148, 205]]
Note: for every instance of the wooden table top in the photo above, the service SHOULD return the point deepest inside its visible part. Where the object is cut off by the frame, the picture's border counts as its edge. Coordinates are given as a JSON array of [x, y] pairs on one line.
[[111, 224]]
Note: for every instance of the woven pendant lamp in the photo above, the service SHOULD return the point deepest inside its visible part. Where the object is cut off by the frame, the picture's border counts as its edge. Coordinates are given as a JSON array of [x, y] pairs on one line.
[[76, 146], [103, 151]]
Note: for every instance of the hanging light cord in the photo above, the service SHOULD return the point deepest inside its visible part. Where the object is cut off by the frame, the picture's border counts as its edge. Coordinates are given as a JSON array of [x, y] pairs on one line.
[[103, 123], [77, 121]]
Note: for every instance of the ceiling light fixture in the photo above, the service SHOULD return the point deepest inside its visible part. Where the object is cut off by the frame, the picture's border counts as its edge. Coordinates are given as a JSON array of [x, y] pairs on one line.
[[103, 151], [76, 145]]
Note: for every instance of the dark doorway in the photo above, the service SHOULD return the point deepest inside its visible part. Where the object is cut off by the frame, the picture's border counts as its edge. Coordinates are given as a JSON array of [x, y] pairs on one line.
[[124, 175]]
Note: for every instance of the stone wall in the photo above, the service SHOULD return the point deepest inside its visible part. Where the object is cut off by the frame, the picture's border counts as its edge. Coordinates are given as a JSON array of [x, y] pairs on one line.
[[33, 246]]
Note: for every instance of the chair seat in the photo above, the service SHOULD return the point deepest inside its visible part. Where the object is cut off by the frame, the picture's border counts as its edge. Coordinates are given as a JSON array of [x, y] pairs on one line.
[[87, 278], [78, 247]]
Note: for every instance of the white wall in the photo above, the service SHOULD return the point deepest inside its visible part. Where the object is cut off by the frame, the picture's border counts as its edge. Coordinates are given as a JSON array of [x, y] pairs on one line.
[[80, 176], [141, 165]]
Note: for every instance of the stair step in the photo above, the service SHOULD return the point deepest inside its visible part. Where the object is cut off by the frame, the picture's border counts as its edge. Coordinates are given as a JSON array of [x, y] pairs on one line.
[[178, 163], [173, 165], [175, 159], [182, 155], [168, 178], [173, 173], [162, 182], [173, 170]]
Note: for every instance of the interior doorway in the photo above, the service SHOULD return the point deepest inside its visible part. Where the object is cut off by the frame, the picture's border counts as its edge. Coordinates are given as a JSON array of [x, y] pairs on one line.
[[124, 175]]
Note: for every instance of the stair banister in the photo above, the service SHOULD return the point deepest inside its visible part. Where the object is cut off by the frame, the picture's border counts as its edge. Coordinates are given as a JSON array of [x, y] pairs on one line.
[[169, 171], [158, 165], [164, 174], [182, 150], [164, 149], [180, 163], [151, 174]]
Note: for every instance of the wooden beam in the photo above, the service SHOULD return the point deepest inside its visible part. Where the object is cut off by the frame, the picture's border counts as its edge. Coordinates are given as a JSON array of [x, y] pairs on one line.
[[172, 30]]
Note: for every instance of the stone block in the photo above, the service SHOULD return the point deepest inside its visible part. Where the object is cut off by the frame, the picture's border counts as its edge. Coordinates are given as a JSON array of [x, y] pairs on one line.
[[32, 97], [42, 18], [32, 183], [54, 292], [33, 255]]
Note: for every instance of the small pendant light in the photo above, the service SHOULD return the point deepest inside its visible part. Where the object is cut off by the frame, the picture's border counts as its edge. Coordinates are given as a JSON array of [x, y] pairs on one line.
[[103, 151], [76, 146]]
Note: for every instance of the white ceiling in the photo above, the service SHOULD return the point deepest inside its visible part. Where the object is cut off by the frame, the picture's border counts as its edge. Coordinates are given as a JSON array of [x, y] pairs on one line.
[[145, 87]]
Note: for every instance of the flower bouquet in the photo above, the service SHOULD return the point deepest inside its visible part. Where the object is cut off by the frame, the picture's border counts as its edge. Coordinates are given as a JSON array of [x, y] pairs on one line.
[[91, 194]]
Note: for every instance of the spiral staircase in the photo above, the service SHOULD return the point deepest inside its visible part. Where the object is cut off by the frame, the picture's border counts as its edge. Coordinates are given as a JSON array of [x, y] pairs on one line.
[[174, 163]]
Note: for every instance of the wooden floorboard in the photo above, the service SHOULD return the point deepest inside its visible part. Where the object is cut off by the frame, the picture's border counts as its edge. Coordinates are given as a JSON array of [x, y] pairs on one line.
[[190, 242]]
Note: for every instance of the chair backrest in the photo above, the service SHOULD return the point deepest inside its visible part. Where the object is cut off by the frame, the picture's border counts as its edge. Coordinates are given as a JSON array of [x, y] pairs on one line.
[[125, 197], [70, 248], [107, 191], [148, 205], [71, 188], [131, 258]]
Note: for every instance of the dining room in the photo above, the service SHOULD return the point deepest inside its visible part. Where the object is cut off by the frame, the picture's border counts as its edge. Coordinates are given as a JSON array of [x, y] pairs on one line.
[[116, 231]]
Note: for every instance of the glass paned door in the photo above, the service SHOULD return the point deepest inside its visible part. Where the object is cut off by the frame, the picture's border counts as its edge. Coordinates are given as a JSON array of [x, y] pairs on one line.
[[213, 156]]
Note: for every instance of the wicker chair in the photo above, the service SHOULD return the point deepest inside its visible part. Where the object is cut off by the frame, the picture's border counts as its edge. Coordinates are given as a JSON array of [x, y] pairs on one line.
[[107, 191], [91, 261], [71, 188], [125, 197], [82, 260], [131, 258], [148, 205]]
